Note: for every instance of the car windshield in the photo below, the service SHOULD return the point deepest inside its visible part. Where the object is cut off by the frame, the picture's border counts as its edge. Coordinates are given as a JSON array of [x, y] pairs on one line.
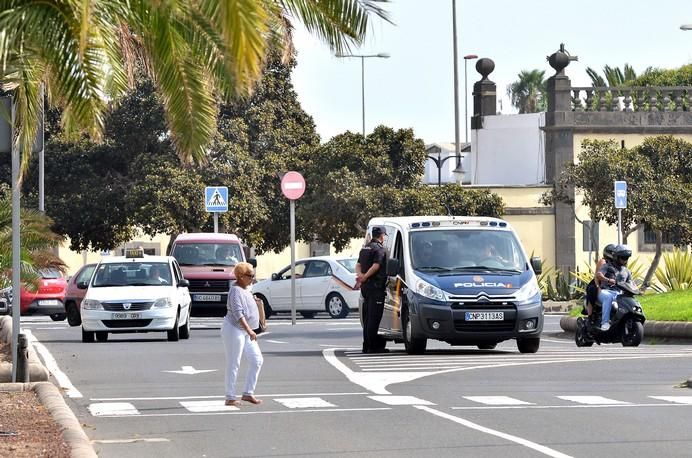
[[453, 251], [349, 264], [132, 274], [50, 273], [208, 254]]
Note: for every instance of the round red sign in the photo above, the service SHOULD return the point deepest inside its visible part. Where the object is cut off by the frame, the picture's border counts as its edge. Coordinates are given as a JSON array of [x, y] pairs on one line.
[[293, 185]]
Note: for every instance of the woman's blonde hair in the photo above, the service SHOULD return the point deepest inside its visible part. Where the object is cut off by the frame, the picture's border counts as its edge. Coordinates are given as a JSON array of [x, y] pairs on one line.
[[242, 268]]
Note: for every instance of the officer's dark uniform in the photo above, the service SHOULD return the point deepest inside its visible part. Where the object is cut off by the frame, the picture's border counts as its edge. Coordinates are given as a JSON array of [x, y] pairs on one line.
[[373, 291]]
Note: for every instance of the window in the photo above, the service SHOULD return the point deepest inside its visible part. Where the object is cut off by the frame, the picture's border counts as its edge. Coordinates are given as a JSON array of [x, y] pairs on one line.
[[318, 269], [85, 275], [647, 239], [286, 273]]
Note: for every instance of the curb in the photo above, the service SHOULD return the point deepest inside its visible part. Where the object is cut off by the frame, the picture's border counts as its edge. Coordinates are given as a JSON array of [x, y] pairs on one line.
[[50, 397], [667, 329]]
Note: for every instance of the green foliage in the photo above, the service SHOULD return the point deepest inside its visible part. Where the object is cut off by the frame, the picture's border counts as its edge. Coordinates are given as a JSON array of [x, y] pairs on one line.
[[529, 93], [614, 76], [665, 77], [555, 286], [676, 273]]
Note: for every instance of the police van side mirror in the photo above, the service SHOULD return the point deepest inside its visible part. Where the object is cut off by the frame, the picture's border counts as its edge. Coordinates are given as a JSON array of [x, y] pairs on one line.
[[537, 265], [392, 267]]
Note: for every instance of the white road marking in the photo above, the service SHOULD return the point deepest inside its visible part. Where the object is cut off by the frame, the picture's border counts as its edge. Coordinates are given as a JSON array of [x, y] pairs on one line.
[[304, 403], [574, 406], [497, 400], [675, 399], [255, 412], [401, 400], [130, 441], [107, 409], [526, 443], [175, 398], [189, 370], [592, 400], [276, 341], [52, 366], [207, 406]]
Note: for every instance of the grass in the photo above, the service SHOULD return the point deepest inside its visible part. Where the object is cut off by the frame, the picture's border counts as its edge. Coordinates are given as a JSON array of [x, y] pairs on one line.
[[672, 306]]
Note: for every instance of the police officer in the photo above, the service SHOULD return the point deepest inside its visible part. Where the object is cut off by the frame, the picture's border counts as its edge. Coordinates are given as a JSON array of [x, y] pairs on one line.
[[371, 271]]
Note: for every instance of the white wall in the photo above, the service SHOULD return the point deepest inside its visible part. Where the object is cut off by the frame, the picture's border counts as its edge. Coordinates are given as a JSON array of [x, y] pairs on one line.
[[509, 150]]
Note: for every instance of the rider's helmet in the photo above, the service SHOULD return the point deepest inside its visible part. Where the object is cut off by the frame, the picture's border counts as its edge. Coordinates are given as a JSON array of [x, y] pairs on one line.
[[621, 254], [608, 251]]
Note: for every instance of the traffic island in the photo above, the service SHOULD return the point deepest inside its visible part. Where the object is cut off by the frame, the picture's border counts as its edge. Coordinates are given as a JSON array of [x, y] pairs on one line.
[[37, 371]]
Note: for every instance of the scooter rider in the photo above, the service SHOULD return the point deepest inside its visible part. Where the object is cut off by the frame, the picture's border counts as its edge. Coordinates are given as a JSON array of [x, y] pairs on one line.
[[592, 287], [613, 272]]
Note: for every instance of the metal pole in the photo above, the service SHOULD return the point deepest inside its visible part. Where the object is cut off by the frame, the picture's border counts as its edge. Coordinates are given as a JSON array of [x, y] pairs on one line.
[[456, 85], [439, 168], [293, 261], [16, 252], [619, 226], [362, 89], [466, 103], [41, 163], [216, 222]]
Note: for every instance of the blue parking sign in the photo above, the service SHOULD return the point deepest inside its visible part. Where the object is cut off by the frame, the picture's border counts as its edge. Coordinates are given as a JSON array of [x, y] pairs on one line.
[[216, 198], [620, 194]]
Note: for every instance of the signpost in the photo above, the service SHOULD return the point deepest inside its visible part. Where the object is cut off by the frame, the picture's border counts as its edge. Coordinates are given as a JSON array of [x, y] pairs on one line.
[[293, 187], [216, 200], [620, 203]]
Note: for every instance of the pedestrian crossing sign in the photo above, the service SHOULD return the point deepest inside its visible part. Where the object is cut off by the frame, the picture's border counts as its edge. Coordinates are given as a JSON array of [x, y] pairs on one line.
[[216, 198]]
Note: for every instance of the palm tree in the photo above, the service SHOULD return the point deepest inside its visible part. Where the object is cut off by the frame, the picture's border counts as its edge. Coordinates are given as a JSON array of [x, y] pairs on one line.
[[85, 53], [528, 93], [613, 76]]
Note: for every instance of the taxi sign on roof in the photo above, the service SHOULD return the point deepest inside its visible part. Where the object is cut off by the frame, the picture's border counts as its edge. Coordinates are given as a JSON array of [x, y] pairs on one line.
[[134, 252]]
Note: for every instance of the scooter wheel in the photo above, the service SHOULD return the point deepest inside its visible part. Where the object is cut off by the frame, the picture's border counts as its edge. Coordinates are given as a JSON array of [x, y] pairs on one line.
[[632, 333], [580, 336]]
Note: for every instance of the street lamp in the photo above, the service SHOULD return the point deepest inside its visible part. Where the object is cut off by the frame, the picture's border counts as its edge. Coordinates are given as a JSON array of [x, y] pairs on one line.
[[466, 94], [457, 147], [439, 162], [381, 55]]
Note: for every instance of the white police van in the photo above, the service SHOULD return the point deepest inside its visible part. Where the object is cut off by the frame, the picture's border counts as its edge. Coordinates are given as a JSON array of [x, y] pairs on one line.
[[136, 293], [464, 280]]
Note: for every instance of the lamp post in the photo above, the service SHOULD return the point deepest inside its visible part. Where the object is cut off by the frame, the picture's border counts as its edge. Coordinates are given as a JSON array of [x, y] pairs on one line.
[[362, 57], [466, 94], [439, 162]]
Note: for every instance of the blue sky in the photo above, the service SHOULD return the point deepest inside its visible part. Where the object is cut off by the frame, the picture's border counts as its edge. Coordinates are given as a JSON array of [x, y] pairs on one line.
[[414, 87]]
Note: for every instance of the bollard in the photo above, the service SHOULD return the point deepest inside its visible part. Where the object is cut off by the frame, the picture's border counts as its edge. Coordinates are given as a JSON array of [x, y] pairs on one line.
[[22, 360]]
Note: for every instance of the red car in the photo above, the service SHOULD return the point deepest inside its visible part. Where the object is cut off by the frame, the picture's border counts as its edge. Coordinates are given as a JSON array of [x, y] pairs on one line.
[[48, 298], [74, 295]]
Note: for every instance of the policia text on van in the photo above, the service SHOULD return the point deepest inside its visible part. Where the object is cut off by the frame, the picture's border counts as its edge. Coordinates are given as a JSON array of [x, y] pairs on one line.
[[462, 280]]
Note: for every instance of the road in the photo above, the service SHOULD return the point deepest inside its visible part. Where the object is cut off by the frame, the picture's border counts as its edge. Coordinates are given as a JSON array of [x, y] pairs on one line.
[[138, 395]]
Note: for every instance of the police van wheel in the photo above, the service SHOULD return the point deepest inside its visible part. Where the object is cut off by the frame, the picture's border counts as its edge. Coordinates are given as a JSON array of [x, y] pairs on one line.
[[87, 336], [529, 345], [413, 346], [336, 306]]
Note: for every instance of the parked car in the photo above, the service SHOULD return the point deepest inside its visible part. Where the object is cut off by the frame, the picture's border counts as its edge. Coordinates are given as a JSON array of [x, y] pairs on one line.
[[323, 283], [135, 293], [48, 298], [6, 301], [74, 294]]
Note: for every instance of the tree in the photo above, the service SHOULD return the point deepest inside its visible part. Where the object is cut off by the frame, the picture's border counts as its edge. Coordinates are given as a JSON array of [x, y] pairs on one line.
[[192, 50], [614, 76], [659, 180], [529, 93], [665, 77]]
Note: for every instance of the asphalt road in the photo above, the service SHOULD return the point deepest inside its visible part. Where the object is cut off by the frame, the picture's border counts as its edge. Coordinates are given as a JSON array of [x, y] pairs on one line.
[[138, 395]]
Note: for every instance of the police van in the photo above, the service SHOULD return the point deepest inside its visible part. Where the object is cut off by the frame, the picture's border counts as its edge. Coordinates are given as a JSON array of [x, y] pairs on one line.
[[464, 280]]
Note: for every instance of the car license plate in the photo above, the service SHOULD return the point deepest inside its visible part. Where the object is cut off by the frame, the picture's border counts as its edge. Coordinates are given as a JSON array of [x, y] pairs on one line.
[[49, 302], [207, 297], [125, 316], [485, 316]]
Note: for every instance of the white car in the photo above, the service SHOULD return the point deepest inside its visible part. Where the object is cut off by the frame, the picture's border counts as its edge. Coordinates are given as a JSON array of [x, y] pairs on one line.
[[323, 283], [136, 293]]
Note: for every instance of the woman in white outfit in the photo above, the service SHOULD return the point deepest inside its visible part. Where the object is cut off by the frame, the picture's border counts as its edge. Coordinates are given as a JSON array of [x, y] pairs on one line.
[[238, 336]]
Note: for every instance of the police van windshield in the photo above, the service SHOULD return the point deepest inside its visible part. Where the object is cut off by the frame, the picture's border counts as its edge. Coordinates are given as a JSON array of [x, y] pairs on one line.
[[466, 250], [207, 254], [132, 274]]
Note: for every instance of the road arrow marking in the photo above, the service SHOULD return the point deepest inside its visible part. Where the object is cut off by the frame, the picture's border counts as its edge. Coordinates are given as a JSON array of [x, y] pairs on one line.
[[189, 370]]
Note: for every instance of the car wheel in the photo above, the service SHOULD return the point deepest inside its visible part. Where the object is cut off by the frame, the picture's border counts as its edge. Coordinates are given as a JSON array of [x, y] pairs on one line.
[[308, 314], [336, 306], [185, 329], [87, 336], [413, 346], [174, 334], [73, 316], [267, 308], [529, 345], [101, 336], [58, 317]]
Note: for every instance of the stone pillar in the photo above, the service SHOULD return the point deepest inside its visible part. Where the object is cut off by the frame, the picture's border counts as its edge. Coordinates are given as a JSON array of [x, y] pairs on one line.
[[559, 151], [484, 94]]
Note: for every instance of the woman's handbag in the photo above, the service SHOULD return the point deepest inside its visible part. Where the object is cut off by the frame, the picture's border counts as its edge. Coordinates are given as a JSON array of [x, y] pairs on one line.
[[262, 319]]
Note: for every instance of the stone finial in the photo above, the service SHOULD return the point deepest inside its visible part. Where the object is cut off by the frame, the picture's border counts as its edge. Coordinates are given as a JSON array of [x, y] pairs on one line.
[[485, 67], [559, 60]]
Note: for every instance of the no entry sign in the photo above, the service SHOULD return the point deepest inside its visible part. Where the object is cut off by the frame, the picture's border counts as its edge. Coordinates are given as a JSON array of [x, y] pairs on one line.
[[293, 185]]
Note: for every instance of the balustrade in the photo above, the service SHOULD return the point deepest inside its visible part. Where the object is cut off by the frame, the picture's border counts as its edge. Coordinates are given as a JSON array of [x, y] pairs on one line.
[[629, 99]]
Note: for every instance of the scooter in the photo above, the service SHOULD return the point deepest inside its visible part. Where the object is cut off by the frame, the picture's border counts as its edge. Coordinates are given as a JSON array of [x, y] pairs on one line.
[[626, 318]]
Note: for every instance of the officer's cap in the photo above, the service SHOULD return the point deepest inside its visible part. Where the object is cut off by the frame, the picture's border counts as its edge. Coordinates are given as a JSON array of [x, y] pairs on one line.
[[377, 231]]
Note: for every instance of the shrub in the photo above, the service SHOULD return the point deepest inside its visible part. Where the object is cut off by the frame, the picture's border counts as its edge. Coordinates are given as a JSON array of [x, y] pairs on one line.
[[676, 273]]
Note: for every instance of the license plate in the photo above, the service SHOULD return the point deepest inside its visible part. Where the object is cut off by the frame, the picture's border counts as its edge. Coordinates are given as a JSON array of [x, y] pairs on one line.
[[125, 316], [207, 297], [49, 302], [485, 316]]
